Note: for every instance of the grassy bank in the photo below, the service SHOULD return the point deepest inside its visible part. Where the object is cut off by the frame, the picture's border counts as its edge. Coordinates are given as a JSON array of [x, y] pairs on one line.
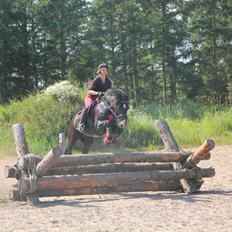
[[45, 116]]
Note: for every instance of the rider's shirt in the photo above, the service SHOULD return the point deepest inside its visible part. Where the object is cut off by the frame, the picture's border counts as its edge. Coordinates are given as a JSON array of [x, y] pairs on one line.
[[98, 86]]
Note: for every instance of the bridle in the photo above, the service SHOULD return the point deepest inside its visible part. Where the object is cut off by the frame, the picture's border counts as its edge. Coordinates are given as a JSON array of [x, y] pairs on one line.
[[117, 117]]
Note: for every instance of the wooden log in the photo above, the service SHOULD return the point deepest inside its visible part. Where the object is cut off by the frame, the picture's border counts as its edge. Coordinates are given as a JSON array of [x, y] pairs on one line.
[[189, 186], [108, 168], [200, 153], [206, 156], [115, 179], [135, 187], [20, 140], [80, 160], [14, 194], [48, 161], [23, 163], [11, 172]]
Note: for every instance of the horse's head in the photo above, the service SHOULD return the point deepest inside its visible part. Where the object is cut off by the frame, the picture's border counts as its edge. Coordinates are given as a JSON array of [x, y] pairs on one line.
[[119, 103]]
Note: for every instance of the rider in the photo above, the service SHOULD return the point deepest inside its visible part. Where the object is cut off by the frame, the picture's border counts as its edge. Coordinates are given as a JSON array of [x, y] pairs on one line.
[[98, 86]]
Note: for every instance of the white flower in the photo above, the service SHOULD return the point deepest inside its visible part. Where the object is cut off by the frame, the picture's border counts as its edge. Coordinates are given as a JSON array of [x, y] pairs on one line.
[[63, 91]]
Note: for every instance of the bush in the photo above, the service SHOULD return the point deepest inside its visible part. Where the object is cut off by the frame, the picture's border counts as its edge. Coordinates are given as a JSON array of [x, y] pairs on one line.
[[43, 118], [63, 91], [140, 131]]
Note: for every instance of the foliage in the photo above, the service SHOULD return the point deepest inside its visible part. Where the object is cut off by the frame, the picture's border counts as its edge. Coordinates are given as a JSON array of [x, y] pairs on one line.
[[63, 91], [173, 58], [158, 51], [44, 117], [140, 132]]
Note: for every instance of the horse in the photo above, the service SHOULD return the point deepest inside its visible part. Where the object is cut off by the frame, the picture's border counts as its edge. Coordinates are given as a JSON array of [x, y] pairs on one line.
[[107, 119]]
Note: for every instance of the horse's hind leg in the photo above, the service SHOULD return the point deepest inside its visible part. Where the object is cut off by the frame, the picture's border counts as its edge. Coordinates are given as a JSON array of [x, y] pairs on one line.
[[70, 141]]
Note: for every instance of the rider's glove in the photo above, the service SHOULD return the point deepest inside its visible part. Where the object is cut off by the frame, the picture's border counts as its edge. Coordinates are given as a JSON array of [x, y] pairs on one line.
[[100, 94]]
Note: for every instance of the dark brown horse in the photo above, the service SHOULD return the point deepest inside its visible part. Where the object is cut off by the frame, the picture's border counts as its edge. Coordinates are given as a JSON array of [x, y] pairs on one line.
[[107, 120]]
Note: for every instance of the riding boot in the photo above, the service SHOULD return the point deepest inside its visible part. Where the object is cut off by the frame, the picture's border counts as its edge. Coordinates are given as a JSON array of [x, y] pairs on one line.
[[82, 125]]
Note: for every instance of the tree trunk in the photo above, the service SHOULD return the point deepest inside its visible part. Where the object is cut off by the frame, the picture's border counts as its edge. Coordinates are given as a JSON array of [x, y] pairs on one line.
[[164, 55]]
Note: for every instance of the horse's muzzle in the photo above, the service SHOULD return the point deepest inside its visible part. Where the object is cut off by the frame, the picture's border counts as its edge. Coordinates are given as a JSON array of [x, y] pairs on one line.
[[107, 137]]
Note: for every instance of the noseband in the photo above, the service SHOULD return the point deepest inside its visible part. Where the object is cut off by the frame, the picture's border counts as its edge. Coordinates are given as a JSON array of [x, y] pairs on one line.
[[117, 117]]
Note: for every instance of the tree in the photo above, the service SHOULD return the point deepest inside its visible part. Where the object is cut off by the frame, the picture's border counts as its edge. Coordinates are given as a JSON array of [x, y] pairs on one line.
[[209, 25]]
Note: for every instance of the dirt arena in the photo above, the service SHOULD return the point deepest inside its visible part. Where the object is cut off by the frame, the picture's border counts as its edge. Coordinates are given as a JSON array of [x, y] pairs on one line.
[[210, 210]]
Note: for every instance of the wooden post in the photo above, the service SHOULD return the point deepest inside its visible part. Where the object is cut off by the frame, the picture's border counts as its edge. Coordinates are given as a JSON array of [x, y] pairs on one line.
[[20, 140], [189, 186], [48, 161], [21, 150]]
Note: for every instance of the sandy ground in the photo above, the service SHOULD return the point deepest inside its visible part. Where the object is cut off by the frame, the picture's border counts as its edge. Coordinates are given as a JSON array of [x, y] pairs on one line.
[[210, 210]]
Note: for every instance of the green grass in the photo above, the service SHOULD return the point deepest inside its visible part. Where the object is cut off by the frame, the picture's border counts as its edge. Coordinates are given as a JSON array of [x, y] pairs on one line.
[[216, 126], [44, 117]]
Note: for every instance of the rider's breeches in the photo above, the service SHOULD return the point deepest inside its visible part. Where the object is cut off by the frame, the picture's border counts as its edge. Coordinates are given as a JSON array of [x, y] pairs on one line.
[[88, 101]]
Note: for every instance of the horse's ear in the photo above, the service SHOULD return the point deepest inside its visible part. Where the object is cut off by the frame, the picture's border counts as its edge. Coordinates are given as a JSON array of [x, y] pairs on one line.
[[124, 96]]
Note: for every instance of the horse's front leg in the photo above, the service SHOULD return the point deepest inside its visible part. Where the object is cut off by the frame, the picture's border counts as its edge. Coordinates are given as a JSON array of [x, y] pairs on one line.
[[87, 142]]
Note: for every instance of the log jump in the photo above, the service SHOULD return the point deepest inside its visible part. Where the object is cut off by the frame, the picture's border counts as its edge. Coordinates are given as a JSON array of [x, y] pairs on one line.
[[57, 174]]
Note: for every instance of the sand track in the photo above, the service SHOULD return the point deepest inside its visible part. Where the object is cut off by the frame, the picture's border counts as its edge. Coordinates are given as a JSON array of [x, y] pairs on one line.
[[210, 210]]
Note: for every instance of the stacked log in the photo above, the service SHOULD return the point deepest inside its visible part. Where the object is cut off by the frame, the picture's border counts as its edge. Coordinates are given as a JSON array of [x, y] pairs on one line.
[[63, 175], [74, 182]]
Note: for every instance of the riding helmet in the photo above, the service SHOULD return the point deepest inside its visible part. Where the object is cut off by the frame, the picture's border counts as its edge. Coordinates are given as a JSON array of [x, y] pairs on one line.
[[103, 65]]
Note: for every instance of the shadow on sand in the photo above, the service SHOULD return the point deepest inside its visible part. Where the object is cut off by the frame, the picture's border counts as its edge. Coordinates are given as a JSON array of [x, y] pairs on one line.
[[202, 196]]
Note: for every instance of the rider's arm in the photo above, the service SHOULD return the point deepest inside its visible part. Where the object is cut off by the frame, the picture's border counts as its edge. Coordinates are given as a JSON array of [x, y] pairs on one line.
[[92, 92]]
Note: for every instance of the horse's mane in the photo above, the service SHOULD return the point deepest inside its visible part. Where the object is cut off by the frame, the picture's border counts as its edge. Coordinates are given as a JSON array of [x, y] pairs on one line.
[[118, 94]]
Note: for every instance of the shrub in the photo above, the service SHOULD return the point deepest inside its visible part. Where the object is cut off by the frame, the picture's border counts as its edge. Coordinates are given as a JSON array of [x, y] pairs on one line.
[[63, 91]]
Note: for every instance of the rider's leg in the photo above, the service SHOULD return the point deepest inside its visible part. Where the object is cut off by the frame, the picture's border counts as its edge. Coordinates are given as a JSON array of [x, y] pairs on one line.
[[82, 125]]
